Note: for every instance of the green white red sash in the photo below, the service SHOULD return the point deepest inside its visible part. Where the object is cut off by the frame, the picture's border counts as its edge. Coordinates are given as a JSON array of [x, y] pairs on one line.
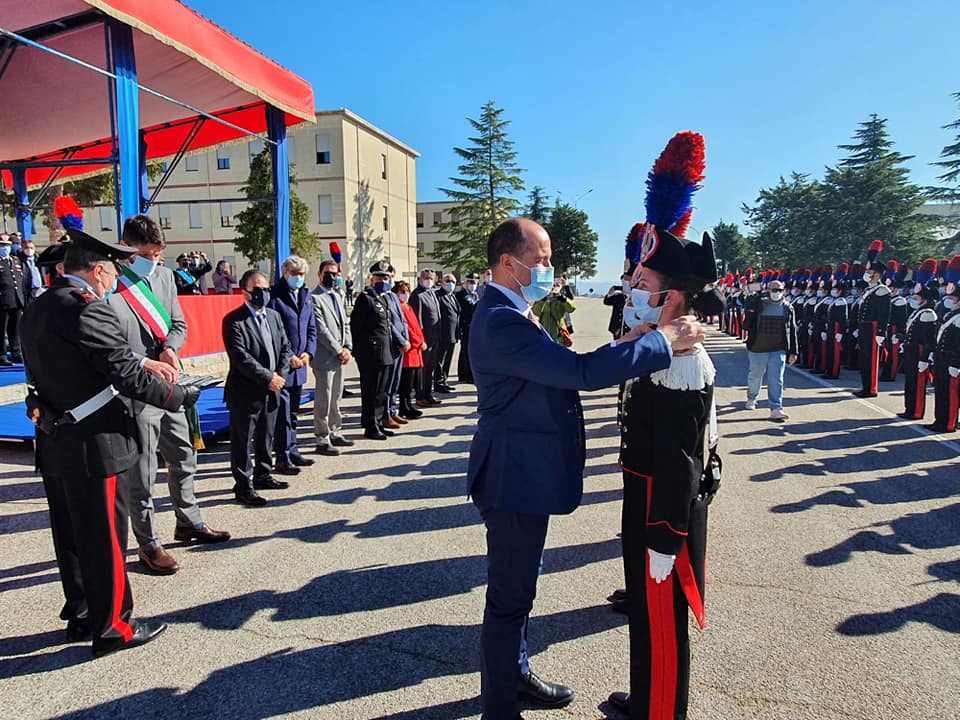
[[143, 302]]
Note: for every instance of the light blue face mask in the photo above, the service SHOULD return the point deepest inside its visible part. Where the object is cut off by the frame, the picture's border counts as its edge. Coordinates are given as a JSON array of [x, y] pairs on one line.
[[143, 266], [541, 283], [642, 312], [295, 281], [4, 250]]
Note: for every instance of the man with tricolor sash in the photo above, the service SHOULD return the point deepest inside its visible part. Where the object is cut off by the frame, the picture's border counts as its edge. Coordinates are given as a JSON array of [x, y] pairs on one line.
[[154, 326]]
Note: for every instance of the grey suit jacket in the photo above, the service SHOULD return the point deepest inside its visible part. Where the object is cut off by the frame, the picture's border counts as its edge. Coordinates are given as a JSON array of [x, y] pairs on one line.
[[333, 332], [425, 305], [137, 334]]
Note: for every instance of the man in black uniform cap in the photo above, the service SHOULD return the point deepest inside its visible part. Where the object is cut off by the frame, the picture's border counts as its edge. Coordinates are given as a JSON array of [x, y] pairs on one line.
[[86, 438]]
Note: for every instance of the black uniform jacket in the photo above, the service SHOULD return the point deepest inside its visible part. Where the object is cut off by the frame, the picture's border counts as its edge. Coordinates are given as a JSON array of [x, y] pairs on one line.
[[370, 328], [73, 348]]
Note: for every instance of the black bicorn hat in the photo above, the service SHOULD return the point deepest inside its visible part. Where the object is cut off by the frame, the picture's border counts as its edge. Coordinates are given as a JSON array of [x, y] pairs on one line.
[[53, 254], [381, 267], [662, 251], [79, 240]]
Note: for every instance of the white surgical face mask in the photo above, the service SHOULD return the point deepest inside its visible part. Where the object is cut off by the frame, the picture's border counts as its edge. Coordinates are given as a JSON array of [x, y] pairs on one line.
[[470, 287], [949, 303], [404, 297], [820, 293], [776, 295], [867, 276], [642, 312], [834, 293], [426, 284]]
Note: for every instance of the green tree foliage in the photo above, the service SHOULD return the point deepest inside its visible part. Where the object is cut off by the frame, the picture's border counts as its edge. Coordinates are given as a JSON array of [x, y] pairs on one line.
[[537, 208], [785, 223], [950, 162], [483, 195], [731, 247], [255, 224], [573, 242]]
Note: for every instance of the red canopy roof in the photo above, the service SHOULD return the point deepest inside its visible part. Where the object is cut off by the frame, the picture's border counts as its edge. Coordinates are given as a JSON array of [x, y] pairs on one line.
[[52, 106]]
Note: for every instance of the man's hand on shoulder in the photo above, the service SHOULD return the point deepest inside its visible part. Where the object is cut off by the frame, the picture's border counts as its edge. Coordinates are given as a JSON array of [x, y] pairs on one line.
[[683, 333]]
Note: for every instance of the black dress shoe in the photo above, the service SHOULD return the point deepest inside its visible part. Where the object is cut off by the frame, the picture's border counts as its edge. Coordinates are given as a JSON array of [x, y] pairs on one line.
[[340, 441], [907, 416], [620, 700], [301, 461], [411, 414], [269, 483], [533, 690], [78, 630], [620, 605], [326, 448], [283, 469], [348, 393], [618, 594], [250, 500], [937, 428], [374, 435], [444, 389], [865, 394], [144, 633], [388, 433]]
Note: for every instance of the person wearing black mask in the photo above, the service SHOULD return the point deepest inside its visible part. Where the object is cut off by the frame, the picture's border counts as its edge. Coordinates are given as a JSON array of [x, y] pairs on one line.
[[373, 348], [334, 351], [259, 355]]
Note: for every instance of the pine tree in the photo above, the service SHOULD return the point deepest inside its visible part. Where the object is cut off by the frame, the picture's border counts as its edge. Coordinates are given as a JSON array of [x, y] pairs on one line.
[[573, 242], [786, 224], [731, 248], [950, 162], [484, 193], [537, 208], [255, 224]]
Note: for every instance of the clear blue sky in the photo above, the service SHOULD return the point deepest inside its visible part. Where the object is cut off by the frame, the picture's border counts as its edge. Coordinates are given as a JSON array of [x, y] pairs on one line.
[[595, 90]]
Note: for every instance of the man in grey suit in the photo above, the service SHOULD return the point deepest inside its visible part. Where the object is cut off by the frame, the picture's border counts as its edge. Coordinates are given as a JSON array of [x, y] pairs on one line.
[[400, 334], [334, 346], [424, 302], [155, 330]]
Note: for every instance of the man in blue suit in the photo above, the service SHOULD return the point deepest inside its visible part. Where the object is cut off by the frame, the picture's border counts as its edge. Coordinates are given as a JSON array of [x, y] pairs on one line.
[[401, 344], [291, 298], [527, 456]]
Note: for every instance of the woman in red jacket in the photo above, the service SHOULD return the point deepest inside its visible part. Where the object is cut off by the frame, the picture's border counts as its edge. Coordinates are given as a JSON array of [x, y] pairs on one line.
[[413, 358]]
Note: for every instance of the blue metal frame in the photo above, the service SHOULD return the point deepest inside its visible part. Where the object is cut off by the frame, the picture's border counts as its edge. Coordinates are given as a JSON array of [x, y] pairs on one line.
[[24, 219], [127, 100], [277, 131]]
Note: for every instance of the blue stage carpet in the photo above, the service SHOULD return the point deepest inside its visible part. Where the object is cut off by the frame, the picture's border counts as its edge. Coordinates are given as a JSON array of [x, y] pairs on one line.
[[214, 417], [11, 375]]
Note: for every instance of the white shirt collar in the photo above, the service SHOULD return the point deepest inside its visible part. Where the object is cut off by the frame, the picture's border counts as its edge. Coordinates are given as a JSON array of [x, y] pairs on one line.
[[522, 305]]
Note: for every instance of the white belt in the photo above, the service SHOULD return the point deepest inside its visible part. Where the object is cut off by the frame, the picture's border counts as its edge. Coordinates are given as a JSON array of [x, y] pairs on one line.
[[88, 407]]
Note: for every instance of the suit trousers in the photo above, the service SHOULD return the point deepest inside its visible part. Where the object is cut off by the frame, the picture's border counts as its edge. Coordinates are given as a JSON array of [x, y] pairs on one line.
[[659, 639], [374, 380], [444, 359], [169, 433], [425, 388], [9, 332], [514, 549], [89, 521], [464, 372], [251, 421], [285, 434], [393, 387], [326, 402]]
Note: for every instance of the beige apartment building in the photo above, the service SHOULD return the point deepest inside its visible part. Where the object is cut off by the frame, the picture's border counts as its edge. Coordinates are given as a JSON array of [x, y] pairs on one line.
[[358, 182], [430, 215]]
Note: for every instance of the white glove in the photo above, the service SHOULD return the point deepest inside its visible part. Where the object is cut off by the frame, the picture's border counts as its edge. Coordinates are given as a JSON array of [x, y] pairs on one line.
[[823, 337], [954, 372], [660, 565], [923, 366], [810, 328], [838, 337], [856, 333], [901, 348], [895, 340], [879, 341]]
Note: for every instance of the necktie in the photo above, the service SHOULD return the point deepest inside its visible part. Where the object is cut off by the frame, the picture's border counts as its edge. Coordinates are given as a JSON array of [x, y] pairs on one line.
[[336, 308], [267, 339]]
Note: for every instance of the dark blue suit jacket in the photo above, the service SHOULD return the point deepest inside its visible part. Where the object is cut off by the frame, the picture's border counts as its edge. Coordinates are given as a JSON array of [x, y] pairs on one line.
[[300, 324], [398, 324], [528, 453]]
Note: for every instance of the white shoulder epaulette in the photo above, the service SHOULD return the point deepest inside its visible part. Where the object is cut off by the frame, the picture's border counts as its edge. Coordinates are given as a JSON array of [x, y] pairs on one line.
[[899, 300], [882, 290], [927, 315]]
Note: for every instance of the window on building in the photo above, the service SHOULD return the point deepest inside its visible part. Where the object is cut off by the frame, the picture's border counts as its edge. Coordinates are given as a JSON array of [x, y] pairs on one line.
[[326, 209], [226, 214], [419, 219], [163, 212], [291, 150], [255, 147], [383, 166], [323, 149], [191, 163], [223, 159], [196, 216], [437, 218], [454, 219], [386, 223], [107, 218], [420, 248]]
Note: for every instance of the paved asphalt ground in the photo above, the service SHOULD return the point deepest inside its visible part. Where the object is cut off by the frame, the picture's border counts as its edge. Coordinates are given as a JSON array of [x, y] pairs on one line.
[[357, 593]]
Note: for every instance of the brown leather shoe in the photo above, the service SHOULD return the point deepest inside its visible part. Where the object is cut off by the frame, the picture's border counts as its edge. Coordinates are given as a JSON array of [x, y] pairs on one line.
[[398, 419], [204, 534], [159, 561], [424, 404], [391, 423]]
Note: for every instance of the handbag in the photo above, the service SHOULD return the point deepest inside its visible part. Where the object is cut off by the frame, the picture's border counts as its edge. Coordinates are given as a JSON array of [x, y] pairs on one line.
[[564, 335]]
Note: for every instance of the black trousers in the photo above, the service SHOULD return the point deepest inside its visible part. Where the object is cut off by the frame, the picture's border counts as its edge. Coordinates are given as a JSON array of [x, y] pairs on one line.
[[9, 332], [409, 379], [88, 518], [946, 407], [464, 371], [869, 357], [374, 380], [285, 434], [444, 359], [425, 388], [914, 382], [659, 639], [254, 421]]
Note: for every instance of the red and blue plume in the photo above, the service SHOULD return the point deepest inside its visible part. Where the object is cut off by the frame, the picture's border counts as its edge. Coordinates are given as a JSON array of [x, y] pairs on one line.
[[68, 213], [633, 242], [926, 271], [876, 247], [942, 269], [953, 270], [901, 273], [676, 176], [335, 252]]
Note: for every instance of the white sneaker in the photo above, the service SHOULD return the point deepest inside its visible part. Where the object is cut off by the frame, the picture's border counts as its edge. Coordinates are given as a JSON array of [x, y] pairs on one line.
[[778, 415], [751, 405]]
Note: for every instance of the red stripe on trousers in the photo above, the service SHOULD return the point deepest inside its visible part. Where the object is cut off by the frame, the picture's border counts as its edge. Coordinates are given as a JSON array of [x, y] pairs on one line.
[[122, 628], [895, 359], [920, 403], [954, 406], [874, 358], [823, 356], [663, 639]]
